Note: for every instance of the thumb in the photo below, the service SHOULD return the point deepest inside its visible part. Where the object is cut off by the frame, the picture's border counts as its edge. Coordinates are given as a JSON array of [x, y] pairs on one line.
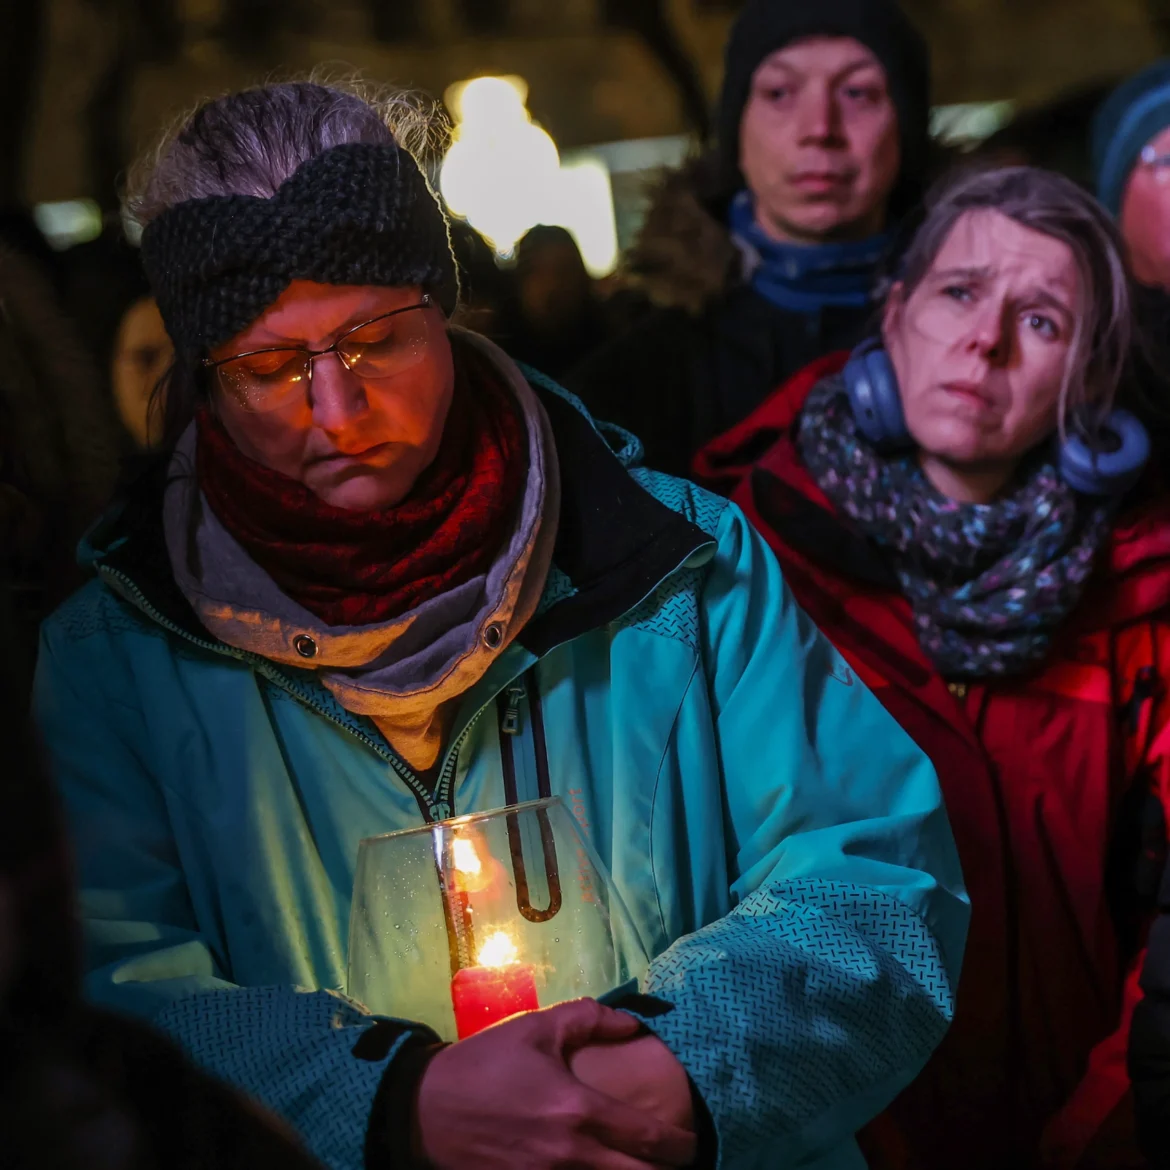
[[585, 1021]]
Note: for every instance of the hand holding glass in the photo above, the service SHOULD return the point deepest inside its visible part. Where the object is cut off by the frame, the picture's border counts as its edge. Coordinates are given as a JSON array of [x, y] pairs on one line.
[[465, 922]]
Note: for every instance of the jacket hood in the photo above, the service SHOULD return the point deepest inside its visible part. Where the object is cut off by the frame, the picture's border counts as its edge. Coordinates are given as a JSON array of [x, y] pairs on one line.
[[1132, 583], [684, 256]]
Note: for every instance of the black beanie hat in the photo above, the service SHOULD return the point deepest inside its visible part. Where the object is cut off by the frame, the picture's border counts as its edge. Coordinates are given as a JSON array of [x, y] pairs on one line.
[[880, 25]]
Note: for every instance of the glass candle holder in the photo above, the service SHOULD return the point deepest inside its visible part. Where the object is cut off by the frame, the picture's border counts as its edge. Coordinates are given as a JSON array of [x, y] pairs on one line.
[[462, 923]]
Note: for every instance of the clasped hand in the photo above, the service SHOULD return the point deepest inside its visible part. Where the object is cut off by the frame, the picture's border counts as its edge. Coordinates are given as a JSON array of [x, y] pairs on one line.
[[577, 1085]]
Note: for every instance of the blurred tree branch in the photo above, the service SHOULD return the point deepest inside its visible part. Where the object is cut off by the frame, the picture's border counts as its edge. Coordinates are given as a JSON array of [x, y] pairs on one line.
[[648, 19]]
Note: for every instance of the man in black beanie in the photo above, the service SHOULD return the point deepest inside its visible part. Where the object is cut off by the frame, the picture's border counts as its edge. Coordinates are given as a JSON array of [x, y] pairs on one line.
[[761, 256]]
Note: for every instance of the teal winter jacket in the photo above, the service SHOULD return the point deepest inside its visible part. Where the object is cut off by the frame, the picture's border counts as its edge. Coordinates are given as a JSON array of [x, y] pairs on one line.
[[780, 843]]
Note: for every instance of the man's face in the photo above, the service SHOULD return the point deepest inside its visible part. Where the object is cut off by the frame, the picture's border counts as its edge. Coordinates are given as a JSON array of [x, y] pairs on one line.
[[1145, 215], [819, 143]]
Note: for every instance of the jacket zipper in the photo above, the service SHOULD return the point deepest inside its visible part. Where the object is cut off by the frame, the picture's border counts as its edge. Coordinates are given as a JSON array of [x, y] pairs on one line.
[[1011, 883], [436, 805], [508, 702], [539, 743], [433, 805], [510, 717]]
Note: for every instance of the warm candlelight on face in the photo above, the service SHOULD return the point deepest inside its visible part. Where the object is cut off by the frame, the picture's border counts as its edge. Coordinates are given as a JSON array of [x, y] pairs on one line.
[[497, 988]]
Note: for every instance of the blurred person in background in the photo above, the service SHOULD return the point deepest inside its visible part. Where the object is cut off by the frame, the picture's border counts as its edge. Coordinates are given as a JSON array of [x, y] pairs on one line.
[[58, 449], [1054, 135], [368, 536], [1131, 156], [762, 256], [483, 287], [106, 292], [142, 355], [554, 316], [953, 506]]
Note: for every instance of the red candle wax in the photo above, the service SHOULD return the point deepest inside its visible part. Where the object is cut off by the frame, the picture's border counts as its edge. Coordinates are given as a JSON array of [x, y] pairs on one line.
[[485, 995]]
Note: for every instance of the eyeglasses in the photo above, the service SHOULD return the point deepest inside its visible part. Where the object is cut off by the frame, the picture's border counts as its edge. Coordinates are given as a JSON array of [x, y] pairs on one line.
[[267, 379]]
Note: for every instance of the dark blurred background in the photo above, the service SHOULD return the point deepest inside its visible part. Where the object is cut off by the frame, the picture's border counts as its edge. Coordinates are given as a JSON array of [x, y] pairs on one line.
[[563, 114], [86, 84]]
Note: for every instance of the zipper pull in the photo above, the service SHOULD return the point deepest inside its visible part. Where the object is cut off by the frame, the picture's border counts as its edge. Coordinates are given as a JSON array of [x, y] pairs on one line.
[[510, 723]]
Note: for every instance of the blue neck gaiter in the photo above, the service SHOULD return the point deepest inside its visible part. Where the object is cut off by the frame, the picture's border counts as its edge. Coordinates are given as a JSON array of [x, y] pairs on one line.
[[805, 278]]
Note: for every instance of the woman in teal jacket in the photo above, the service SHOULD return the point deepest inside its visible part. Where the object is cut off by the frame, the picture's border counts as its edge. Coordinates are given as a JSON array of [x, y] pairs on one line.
[[375, 537]]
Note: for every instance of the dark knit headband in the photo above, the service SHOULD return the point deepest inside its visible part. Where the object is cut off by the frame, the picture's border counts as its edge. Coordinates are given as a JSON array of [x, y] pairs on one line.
[[355, 214]]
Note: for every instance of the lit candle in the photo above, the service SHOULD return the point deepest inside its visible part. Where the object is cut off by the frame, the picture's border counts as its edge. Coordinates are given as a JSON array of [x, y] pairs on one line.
[[497, 988]]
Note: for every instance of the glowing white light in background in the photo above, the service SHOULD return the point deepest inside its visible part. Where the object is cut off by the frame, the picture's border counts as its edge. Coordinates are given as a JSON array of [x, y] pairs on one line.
[[584, 200], [500, 166], [75, 221], [503, 174]]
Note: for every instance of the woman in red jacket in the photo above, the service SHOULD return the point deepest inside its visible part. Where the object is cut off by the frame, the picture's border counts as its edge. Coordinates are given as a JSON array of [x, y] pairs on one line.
[[953, 506]]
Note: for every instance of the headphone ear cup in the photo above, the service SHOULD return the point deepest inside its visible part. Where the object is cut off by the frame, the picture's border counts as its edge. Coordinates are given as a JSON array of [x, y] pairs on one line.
[[874, 397], [1106, 473]]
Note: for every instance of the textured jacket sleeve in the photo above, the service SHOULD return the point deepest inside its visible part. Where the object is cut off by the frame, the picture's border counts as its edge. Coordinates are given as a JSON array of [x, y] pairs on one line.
[[804, 1011], [1149, 1035], [1103, 1123], [312, 1057]]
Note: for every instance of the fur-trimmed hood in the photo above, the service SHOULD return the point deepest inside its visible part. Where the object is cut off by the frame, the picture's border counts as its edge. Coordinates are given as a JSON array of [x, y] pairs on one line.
[[684, 256]]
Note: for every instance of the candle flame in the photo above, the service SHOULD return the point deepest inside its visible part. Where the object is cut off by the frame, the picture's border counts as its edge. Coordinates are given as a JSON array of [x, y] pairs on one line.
[[466, 859], [498, 950]]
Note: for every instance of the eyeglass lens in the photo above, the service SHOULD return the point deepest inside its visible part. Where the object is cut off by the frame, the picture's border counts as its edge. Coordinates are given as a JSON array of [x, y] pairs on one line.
[[383, 348]]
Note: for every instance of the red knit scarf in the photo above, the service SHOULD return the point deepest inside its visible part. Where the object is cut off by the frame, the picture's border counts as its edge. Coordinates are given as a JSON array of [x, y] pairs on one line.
[[361, 568]]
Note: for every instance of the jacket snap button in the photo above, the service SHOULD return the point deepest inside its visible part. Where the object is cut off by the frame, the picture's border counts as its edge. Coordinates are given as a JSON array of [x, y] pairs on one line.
[[493, 635], [305, 646]]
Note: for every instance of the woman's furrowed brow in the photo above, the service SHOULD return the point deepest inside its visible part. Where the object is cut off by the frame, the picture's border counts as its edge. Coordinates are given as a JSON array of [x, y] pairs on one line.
[[971, 273]]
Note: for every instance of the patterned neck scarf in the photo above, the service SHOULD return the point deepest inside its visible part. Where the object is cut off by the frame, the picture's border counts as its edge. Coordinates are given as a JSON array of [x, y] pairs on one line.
[[805, 278], [988, 583]]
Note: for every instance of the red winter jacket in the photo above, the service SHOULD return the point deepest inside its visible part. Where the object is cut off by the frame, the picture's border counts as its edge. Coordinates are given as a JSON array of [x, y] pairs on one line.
[[1057, 787]]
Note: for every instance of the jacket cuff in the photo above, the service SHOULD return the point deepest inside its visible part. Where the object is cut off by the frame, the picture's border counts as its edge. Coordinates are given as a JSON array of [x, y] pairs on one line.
[[389, 1134], [652, 1007]]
